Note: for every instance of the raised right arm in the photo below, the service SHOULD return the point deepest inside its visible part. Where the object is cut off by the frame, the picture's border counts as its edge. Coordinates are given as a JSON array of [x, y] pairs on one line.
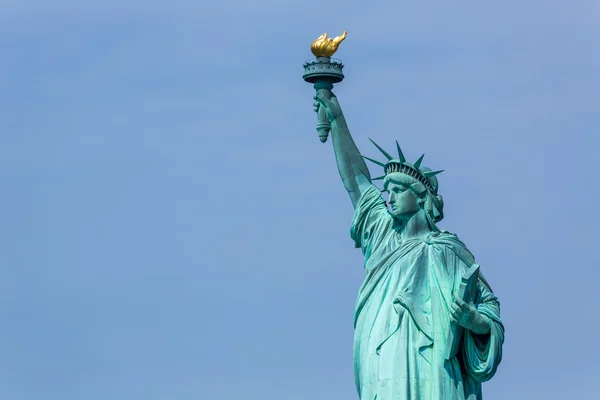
[[352, 167]]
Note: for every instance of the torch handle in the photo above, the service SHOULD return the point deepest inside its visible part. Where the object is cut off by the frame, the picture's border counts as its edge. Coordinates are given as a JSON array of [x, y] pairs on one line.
[[323, 126]]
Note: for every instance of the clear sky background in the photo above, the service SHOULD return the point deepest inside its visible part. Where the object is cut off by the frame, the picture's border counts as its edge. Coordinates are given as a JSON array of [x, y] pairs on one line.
[[172, 228]]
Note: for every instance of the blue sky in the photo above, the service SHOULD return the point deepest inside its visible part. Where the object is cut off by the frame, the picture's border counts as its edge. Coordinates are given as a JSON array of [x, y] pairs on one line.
[[173, 228]]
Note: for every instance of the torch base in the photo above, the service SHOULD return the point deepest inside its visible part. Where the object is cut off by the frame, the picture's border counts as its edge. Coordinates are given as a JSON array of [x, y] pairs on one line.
[[323, 69]]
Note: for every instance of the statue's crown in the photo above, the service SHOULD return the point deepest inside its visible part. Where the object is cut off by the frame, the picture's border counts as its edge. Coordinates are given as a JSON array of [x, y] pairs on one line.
[[415, 170]]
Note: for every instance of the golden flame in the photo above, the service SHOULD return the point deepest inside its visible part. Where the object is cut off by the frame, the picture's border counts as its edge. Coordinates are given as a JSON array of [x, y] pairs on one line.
[[324, 46]]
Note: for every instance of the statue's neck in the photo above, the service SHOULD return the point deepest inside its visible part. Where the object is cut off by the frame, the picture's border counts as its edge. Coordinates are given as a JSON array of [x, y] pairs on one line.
[[414, 227]]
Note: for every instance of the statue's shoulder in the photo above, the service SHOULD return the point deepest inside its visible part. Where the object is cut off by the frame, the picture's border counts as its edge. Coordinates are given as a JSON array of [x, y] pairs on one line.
[[448, 241], [444, 238]]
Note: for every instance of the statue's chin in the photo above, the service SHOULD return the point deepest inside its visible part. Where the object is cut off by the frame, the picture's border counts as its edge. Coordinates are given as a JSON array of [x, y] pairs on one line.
[[402, 216], [398, 215]]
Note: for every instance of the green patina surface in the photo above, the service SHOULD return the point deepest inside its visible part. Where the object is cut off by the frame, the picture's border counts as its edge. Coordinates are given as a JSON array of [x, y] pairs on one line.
[[427, 323]]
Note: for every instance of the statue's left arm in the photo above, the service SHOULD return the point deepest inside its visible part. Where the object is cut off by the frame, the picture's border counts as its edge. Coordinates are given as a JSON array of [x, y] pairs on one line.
[[482, 353], [484, 332]]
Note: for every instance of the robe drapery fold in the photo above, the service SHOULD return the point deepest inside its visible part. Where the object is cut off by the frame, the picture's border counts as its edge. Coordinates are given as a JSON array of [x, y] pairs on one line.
[[402, 313]]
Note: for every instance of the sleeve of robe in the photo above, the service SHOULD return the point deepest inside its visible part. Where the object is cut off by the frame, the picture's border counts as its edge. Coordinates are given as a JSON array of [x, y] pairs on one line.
[[482, 353], [370, 222]]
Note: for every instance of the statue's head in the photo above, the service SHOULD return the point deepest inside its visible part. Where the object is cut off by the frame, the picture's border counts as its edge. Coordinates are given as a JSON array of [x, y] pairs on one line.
[[402, 200], [411, 186]]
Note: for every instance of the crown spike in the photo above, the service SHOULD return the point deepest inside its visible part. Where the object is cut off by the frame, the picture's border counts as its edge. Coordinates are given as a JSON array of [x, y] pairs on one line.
[[429, 174], [373, 161], [385, 153], [378, 178], [417, 163], [400, 155]]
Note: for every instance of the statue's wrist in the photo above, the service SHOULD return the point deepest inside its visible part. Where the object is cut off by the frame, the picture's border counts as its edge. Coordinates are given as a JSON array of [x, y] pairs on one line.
[[482, 324]]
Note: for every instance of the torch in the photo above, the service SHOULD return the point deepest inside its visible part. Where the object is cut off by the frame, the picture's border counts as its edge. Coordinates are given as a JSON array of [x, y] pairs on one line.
[[323, 73]]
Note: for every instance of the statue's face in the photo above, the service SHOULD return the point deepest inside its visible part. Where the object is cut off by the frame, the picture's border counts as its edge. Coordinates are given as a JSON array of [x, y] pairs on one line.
[[402, 200]]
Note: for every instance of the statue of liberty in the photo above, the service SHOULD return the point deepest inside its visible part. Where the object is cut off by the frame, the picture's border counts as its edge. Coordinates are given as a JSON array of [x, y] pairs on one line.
[[427, 324]]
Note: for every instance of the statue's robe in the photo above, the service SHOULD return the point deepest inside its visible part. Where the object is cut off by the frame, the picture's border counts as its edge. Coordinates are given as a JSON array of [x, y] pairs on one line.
[[402, 314]]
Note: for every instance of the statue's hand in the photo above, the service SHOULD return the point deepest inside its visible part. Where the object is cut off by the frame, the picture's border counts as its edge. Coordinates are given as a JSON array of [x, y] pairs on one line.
[[467, 316], [324, 98]]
